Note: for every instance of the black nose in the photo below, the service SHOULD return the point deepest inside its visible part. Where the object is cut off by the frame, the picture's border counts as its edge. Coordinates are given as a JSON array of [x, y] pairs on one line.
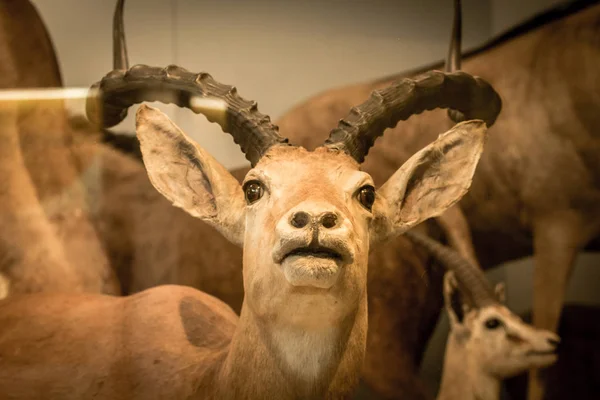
[[300, 219], [553, 342], [329, 220]]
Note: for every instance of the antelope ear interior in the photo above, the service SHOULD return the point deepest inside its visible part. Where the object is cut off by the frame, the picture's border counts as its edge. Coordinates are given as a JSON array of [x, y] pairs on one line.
[[436, 177], [188, 175], [455, 303]]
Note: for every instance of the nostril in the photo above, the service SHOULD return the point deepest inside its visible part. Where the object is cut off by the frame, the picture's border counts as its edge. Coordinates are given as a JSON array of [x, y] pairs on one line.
[[329, 220], [300, 219], [553, 342]]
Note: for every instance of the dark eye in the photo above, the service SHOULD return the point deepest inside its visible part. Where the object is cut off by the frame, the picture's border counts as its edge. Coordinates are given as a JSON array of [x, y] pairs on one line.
[[253, 191], [493, 323], [366, 196]]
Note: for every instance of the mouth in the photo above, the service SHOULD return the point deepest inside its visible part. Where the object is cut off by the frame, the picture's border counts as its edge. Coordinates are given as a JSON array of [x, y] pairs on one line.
[[541, 358], [314, 251], [541, 352], [312, 266]]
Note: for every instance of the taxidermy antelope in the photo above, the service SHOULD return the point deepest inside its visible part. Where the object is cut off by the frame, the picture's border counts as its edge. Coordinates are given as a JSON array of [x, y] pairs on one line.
[[150, 242], [306, 221], [487, 343]]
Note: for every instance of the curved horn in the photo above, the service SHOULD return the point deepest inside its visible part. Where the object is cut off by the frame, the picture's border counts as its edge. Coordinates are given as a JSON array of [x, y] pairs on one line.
[[120, 89], [453, 59], [472, 96], [454, 51], [469, 276], [120, 59]]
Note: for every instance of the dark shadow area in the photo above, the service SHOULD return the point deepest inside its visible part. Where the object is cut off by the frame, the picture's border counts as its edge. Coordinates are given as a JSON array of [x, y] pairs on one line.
[[576, 375]]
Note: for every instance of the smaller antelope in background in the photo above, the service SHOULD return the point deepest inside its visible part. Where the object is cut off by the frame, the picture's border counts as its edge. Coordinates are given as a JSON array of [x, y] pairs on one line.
[[487, 343]]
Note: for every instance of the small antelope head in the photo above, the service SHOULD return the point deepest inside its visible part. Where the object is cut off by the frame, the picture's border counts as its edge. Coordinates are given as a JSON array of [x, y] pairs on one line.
[[306, 220], [482, 328], [500, 342]]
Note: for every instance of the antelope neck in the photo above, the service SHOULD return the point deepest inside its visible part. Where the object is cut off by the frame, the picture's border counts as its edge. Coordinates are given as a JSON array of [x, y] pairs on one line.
[[462, 379], [269, 360]]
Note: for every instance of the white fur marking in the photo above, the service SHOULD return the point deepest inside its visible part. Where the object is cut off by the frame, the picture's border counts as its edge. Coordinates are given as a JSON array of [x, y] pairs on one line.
[[306, 353]]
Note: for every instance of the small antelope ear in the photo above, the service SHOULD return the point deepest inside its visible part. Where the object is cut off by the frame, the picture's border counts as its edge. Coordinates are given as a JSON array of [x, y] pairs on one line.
[[436, 177], [455, 303], [500, 291], [189, 176], [451, 294]]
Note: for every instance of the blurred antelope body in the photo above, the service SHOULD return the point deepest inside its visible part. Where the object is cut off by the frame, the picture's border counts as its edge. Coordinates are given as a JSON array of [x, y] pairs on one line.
[[48, 240]]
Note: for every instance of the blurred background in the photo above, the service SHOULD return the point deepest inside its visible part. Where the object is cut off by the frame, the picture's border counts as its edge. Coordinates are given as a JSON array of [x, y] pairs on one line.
[[281, 52]]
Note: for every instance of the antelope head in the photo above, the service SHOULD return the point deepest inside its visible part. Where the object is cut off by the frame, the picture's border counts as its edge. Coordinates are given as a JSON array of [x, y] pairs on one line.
[[500, 342], [306, 220], [496, 340]]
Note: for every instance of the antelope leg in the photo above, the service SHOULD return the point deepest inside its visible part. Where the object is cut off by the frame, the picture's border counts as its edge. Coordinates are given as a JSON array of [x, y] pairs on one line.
[[557, 241]]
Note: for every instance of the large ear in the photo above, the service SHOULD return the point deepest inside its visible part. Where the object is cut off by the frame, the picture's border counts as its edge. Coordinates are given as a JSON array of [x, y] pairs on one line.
[[436, 177], [188, 176]]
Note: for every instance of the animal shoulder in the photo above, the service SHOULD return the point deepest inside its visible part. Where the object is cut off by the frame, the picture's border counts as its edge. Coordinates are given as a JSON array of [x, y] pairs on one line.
[[148, 338]]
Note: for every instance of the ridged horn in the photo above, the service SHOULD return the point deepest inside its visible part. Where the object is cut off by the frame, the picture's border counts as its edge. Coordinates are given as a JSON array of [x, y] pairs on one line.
[[468, 275], [110, 98], [472, 96]]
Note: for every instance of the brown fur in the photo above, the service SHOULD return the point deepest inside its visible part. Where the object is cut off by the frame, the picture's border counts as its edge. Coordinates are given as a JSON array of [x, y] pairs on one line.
[[70, 242], [155, 345], [146, 320], [23, 267]]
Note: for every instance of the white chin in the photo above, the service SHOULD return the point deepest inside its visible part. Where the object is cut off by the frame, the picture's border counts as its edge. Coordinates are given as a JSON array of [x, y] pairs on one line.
[[311, 271], [543, 360]]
